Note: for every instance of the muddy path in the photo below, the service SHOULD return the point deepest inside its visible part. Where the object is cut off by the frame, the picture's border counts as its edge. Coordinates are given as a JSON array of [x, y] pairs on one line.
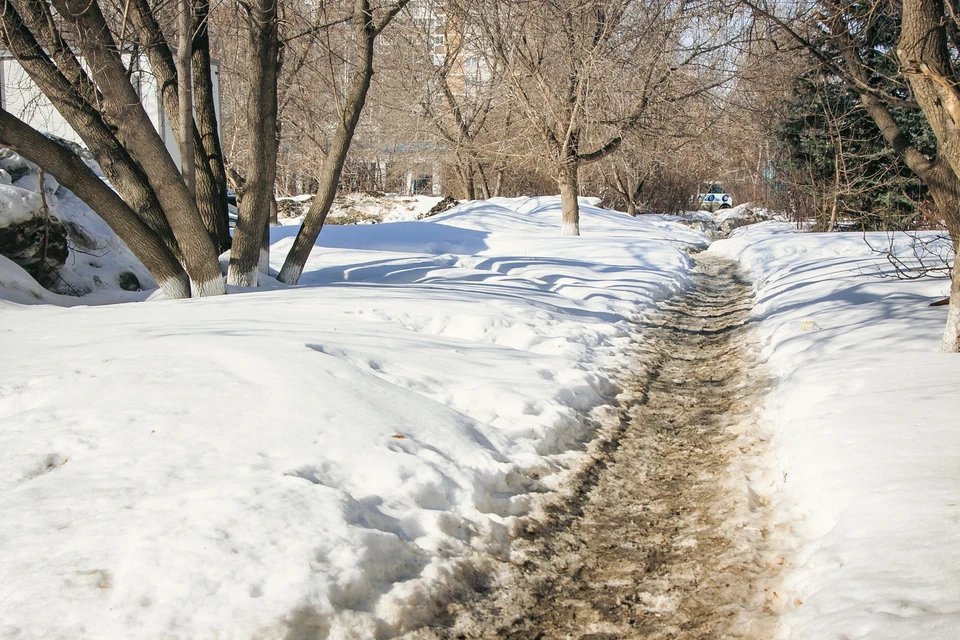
[[659, 536]]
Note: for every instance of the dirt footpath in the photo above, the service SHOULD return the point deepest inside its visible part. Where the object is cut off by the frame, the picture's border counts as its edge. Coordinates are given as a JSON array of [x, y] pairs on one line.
[[659, 537]]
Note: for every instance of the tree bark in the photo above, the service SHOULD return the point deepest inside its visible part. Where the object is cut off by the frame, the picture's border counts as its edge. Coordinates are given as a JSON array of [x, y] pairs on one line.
[[211, 172], [469, 184], [122, 107], [928, 67], [253, 216], [69, 96], [72, 173], [188, 163], [263, 265], [484, 183], [211, 192], [569, 193]]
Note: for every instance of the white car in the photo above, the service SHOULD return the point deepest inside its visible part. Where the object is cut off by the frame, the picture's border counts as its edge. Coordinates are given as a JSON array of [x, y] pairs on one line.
[[715, 198]]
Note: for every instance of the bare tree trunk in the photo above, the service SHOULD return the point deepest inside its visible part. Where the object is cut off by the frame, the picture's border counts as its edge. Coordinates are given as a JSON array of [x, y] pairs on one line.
[[188, 162], [366, 30], [70, 99], [836, 197], [484, 183], [72, 173], [569, 191], [122, 107], [263, 265], [253, 217], [211, 173], [927, 64], [466, 173], [211, 192]]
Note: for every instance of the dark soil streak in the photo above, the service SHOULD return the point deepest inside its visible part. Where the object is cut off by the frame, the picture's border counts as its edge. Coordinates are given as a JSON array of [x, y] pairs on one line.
[[659, 538]]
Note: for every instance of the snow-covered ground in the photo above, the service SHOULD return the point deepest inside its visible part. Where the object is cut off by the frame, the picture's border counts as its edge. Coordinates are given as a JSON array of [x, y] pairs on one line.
[[293, 462], [360, 208], [323, 460], [864, 420]]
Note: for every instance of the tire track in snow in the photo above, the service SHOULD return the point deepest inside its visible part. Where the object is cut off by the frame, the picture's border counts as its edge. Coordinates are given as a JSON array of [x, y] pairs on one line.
[[661, 537]]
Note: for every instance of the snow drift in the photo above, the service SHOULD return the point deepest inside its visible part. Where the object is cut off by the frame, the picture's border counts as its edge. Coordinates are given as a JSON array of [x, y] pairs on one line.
[[864, 466]]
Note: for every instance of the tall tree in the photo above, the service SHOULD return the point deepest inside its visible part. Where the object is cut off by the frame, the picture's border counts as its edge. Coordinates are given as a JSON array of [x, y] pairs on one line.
[[928, 48], [263, 59], [120, 121]]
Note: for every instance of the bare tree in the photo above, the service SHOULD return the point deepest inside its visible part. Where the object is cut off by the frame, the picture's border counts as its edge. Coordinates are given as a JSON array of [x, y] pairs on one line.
[[367, 24], [263, 56], [928, 64], [586, 73], [109, 93], [72, 173]]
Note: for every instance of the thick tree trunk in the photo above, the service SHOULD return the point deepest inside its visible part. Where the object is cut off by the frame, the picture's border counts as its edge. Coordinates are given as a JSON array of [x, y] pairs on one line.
[[469, 184], [928, 67], [211, 173], [211, 187], [122, 107], [632, 208], [365, 32], [73, 174], [263, 266], [69, 97], [188, 163], [569, 191], [253, 216]]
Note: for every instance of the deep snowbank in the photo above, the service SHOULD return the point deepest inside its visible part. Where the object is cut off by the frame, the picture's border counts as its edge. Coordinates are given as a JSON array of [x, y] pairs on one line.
[[866, 436], [316, 460]]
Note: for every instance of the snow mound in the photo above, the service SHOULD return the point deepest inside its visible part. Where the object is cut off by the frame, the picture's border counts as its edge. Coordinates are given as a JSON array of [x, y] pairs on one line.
[[17, 205], [865, 451], [360, 208], [97, 261]]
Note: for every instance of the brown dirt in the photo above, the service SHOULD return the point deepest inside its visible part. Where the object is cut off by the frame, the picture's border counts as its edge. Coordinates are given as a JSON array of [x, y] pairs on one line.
[[658, 536]]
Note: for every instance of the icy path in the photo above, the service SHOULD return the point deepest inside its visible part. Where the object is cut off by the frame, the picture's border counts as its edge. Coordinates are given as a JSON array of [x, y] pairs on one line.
[[660, 540]]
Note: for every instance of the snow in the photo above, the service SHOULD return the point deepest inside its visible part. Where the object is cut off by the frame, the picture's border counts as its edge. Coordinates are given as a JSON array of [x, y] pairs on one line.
[[17, 205], [365, 208], [864, 460], [327, 460], [321, 460], [97, 257]]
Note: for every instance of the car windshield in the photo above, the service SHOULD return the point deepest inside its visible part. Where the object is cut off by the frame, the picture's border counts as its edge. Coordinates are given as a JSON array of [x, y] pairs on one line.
[[716, 189]]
